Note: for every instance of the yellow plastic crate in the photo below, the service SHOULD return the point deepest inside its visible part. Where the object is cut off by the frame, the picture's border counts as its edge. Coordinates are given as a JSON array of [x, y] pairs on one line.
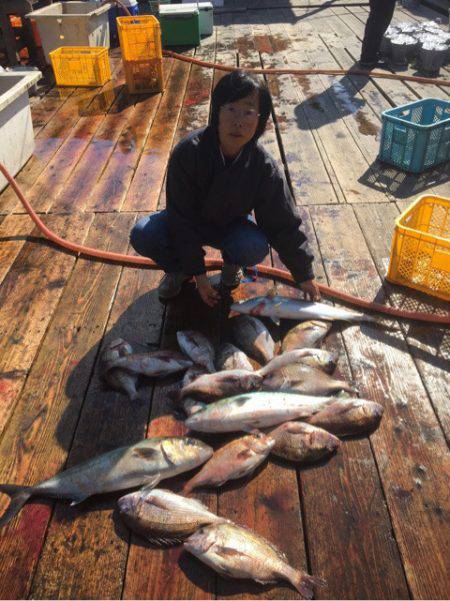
[[81, 66], [420, 254], [144, 77], [140, 38]]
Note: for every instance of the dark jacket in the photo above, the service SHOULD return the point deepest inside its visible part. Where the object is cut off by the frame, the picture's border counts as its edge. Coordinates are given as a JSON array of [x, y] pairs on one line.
[[202, 189]]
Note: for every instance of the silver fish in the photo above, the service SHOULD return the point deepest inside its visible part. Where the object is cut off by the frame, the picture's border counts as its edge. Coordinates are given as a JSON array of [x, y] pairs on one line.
[[155, 364], [144, 463], [347, 417], [117, 378], [305, 380], [234, 460], [163, 517], [314, 357], [191, 406], [192, 374], [253, 337], [210, 387], [255, 410], [305, 335], [280, 307], [303, 443], [236, 552], [196, 346], [230, 357]]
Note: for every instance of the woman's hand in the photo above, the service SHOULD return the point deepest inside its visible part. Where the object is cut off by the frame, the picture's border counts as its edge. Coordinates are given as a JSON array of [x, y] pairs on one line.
[[206, 291], [310, 290]]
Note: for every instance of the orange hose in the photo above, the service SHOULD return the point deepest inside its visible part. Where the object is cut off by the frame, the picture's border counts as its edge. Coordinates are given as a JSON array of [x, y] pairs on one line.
[[289, 71], [212, 264]]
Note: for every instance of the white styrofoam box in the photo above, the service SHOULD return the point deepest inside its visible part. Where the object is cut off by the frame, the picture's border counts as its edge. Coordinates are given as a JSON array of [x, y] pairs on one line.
[[205, 10], [72, 24], [16, 127]]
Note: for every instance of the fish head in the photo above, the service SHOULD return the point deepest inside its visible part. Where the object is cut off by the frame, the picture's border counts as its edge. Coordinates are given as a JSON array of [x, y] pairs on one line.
[[185, 452], [129, 504], [260, 305]]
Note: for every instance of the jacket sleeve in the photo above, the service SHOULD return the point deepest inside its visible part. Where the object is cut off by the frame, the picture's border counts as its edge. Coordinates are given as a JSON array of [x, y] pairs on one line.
[[181, 194], [278, 217]]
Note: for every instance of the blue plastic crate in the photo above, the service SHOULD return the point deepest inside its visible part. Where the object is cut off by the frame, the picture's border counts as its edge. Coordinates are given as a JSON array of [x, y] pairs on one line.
[[416, 136]]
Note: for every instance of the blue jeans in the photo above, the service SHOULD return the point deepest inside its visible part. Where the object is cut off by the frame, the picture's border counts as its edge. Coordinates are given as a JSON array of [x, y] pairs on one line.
[[242, 242]]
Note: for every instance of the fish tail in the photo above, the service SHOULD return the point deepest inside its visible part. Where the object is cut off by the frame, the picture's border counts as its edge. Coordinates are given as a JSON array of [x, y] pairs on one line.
[[19, 496], [305, 583]]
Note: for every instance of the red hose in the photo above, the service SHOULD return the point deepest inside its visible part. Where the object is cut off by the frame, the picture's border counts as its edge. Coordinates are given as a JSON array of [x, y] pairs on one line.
[[212, 264]]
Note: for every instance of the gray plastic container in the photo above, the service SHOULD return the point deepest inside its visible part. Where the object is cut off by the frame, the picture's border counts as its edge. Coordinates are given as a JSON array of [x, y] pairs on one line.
[[72, 24]]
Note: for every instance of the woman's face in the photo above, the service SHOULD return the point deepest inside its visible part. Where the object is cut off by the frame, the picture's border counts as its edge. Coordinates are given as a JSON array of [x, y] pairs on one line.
[[238, 122]]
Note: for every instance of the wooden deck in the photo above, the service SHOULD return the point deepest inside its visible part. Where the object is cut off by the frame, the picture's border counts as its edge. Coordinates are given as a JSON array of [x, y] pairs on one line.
[[373, 521]]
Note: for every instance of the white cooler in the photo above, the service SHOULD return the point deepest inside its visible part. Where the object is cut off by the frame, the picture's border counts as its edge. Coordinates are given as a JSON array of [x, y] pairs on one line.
[[205, 11]]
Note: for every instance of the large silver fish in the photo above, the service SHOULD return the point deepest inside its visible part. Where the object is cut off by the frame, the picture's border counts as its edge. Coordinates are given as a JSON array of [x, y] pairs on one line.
[[255, 410], [230, 357], [163, 517], [210, 387], [305, 335], [191, 405], [280, 307], [118, 378], [145, 463], [253, 337], [303, 443], [314, 357], [154, 364], [236, 552], [348, 417], [198, 348], [234, 460], [305, 380]]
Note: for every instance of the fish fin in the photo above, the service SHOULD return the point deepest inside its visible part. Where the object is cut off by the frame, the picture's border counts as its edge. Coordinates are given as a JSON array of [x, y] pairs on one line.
[[164, 541], [79, 499], [151, 482], [227, 551], [305, 583], [145, 453], [19, 496], [275, 319]]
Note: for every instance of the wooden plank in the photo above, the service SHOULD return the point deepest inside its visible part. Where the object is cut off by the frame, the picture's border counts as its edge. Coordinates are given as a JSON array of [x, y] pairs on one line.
[[311, 176], [87, 172], [145, 187], [43, 110], [30, 291], [109, 192], [50, 139], [361, 123], [428, 345], [335, 512], [40, 433], [411, 462], [53, 179], [324, 118], [170, 573], [13, 230]]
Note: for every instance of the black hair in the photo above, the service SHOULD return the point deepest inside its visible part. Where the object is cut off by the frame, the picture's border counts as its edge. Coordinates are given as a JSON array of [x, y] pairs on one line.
[[235, 86]]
